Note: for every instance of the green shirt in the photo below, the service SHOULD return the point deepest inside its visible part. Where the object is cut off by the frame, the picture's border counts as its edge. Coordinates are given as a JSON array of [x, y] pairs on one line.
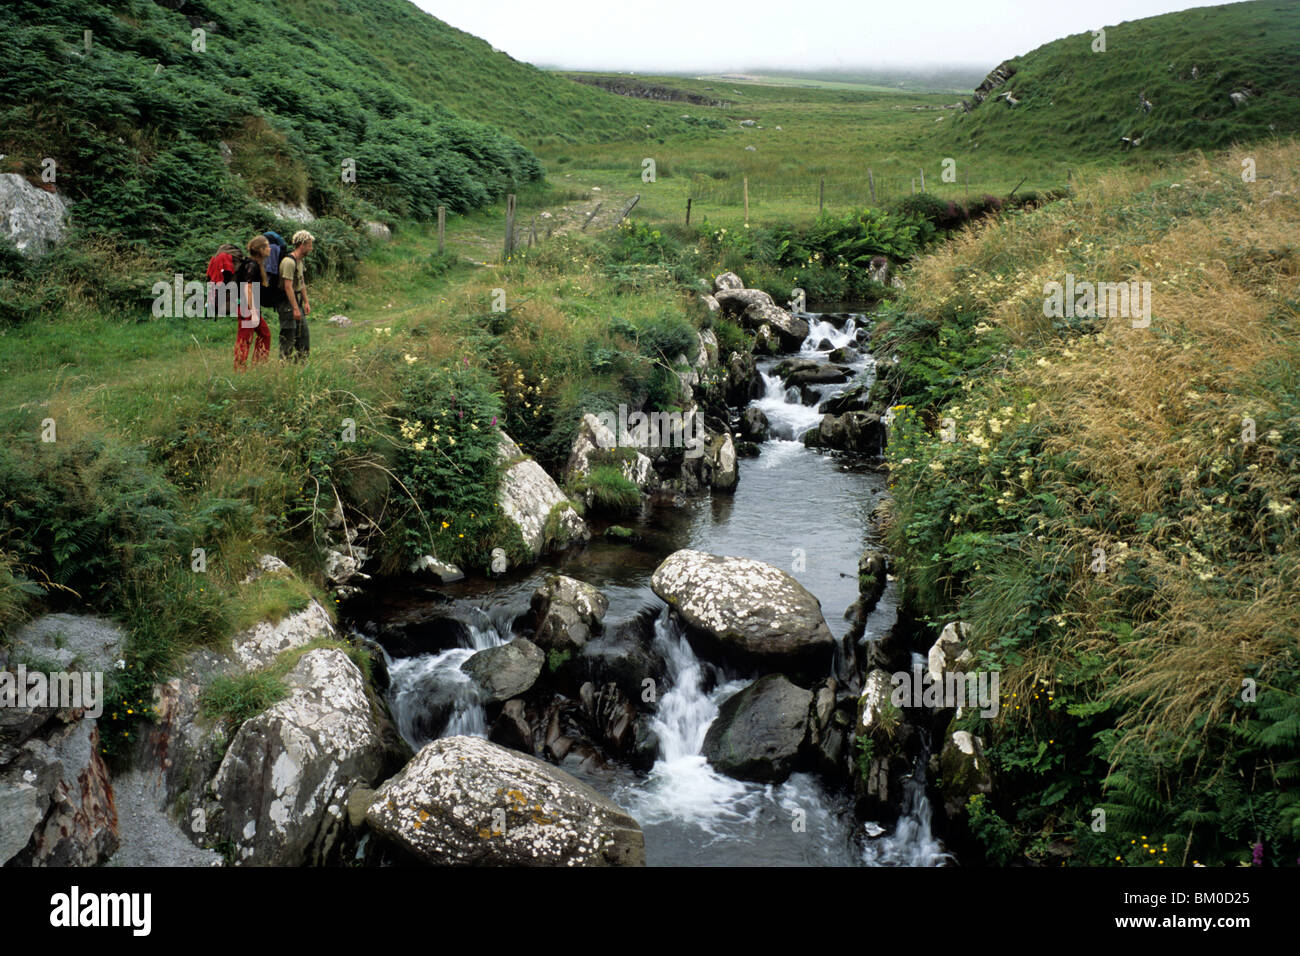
[[292, 269]]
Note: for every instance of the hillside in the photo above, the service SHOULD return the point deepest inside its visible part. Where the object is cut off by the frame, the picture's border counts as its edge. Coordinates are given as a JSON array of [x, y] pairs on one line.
[[178, 118], [1186, 64]]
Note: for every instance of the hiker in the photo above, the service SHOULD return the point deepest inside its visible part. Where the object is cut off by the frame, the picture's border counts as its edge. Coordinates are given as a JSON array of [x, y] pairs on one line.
[[255, 289], [295, 308], [222, 295]]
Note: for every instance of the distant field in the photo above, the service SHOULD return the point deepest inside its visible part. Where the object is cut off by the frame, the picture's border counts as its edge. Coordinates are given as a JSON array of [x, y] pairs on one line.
[[771, 79], [802, 135]]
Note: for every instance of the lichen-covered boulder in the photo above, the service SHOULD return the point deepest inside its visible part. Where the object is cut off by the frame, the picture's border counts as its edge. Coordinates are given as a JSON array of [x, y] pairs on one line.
[[790, 330], [567, 612], [32, 219], [727, 280], [262, 643], [466, 801], [280, 794], [746, 612], [736, 301], [594, 437], [530, 498]]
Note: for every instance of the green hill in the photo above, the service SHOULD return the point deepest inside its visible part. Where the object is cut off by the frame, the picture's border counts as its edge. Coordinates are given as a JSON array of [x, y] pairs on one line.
[[1186, 64], [166, 138]]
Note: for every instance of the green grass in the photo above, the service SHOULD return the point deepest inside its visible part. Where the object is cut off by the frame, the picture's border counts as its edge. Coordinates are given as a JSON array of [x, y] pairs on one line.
[[1077, 102]]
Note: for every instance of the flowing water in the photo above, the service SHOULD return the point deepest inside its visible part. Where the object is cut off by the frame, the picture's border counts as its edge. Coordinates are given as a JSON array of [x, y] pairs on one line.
[[794, 508]]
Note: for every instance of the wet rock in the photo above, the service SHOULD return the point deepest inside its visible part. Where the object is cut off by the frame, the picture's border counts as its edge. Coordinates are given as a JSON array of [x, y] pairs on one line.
[[512, 729], [859, 432], [746, 612], [725, 470], [801, 372], [507, 671], [873, 570], [626, 658], [567, 612], [465, 801], [843, 356], [753, 424], [852, 399], [759, 732], [825, 345], [281, 791]]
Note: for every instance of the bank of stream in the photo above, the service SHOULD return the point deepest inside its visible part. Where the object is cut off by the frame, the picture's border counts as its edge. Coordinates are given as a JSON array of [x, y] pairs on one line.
[[799, 509]]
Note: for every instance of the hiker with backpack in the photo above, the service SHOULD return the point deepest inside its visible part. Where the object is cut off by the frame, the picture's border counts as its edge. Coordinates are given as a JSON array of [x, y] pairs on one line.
[[255, 288], [293, 311], [222, 293]]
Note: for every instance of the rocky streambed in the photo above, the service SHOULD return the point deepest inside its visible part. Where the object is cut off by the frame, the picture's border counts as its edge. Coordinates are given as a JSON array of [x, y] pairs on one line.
[[705, 683]]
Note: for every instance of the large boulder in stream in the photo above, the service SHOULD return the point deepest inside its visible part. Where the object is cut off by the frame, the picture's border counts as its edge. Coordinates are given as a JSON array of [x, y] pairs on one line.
[[507, 671], [465, 801], [567, 612], [801, 372], [280, 794], [746, 613], [531, 499], [595, 444], [859, 432], [789, 329], [759, 732]]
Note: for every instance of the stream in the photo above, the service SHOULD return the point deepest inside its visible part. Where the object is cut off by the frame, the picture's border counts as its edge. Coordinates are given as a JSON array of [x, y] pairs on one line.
[[798, 509]]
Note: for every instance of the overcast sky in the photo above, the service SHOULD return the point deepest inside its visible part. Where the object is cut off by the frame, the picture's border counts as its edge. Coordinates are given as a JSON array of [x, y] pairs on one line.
[[724, 35]]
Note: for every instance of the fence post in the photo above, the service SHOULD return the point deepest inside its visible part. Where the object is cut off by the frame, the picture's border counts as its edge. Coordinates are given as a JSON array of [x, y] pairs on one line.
[[746, 199], [871, 181], [442, 228], [922, 180], [510, 224], [821, 195], [688, 210]]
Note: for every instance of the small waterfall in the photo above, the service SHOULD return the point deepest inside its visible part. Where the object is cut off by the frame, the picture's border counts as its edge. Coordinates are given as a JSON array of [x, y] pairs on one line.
[[787, 417], [819, 329], [912, 843], [682, 785], [431, 697]]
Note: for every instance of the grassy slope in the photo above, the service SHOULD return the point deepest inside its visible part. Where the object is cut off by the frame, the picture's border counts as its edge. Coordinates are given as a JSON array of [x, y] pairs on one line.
[[1076, 435], [442, 65], [1076, 101]]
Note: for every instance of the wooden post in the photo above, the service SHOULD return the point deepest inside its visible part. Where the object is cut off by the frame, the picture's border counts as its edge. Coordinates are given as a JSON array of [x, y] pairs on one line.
[[821, 195], [510, 225], [442, 228], [746, 199], [968, 186], [923, 180], [592, 215], [871, 182], [532, 232], [628, 208], [688, 210]]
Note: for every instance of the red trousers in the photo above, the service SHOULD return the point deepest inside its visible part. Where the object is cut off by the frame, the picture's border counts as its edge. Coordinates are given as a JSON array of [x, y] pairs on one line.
[[260, 351]]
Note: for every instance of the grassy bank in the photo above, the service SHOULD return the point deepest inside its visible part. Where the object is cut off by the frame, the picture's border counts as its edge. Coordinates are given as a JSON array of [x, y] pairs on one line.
[[1115, 512]]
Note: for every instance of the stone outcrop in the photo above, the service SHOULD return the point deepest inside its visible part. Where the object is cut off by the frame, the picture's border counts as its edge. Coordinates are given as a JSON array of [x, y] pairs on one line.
[[531, 499], [465, 801], [32, 219], [567, 612]]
